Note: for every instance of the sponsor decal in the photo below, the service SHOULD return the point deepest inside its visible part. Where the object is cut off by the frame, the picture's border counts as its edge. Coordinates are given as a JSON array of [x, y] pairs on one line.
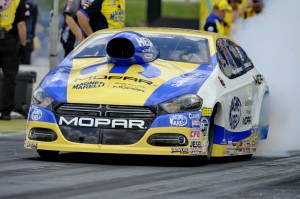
[[180, 150], [195, 134], [248, 102], [143, 41], [36, 114], [147, 56], [195, 124], [102, 122], [186, 78], [178, 120], [242, 147], [88, 85], [195, 144], [118, 15], [258, 79], [148, 50], [114, 77], [222, 81], [204, 126], [231, 145], [134, 87], [194, 116], [195, 152], [206, 112], [180, 82], [33, 145], [111, 2], [4, 15], [235, 112], [247, 120], [194, 75]]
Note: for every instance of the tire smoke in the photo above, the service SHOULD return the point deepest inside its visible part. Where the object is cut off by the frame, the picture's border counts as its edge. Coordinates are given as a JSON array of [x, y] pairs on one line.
[[271, 39]]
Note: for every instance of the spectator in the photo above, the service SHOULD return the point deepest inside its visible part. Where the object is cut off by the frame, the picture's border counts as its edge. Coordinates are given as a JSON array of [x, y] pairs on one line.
[[214, 22], [232, 17], [31, 19], [237, 12], [256, 8], [100, 14], [12, 31], [71, 33]]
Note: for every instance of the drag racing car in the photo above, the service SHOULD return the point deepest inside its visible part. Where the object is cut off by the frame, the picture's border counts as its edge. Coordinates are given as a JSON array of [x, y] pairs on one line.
[[151, 91]]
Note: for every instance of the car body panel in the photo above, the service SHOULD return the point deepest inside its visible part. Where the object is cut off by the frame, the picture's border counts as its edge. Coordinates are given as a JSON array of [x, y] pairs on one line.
[[233, 103]]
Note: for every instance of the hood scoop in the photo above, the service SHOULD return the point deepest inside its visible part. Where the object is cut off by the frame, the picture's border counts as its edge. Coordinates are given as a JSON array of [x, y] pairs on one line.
[[127, 48]]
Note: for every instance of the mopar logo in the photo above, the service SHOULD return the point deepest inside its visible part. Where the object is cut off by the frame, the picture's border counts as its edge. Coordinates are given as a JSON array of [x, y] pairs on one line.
[[102, 122], [111, 77]]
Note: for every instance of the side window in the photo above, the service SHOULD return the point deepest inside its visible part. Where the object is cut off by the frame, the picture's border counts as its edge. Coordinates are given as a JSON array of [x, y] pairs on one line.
[[246, 61], [229, 58]]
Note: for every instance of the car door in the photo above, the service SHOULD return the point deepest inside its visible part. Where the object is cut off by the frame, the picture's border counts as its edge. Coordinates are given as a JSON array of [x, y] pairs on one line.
[[255, 79], [238, 96]]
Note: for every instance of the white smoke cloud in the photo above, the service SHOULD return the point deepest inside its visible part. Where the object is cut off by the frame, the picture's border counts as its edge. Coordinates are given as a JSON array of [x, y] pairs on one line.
[[271, 39]]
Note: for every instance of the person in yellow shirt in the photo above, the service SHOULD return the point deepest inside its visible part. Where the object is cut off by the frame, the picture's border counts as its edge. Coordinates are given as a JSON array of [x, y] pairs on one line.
[[256, 8], [12, 34], [215, 21], [100, 14], [236, 12]]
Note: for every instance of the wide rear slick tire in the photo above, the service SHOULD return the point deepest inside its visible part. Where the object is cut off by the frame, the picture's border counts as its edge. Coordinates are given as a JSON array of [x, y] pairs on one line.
[[48, 155]]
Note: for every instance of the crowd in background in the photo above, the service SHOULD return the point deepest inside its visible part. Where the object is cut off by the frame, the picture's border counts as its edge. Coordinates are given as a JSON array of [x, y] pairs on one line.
[[232, 24], [226, 15]]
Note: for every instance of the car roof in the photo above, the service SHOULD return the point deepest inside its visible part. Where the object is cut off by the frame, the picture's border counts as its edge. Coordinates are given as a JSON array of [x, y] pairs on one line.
[[212, 37], [164, 30]]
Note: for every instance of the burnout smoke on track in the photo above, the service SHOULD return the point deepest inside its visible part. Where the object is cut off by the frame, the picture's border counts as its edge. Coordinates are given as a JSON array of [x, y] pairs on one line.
[[272, 41]]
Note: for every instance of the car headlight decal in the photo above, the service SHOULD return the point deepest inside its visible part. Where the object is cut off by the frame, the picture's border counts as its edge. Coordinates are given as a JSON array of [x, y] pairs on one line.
[[41, 98], [184, 103]]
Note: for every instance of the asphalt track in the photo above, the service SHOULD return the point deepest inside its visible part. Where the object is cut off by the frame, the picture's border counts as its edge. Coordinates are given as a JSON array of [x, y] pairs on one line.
[[77, 175]]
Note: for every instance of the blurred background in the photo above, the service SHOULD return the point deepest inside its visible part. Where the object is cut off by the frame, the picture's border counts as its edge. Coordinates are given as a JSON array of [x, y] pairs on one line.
[[166, 13]]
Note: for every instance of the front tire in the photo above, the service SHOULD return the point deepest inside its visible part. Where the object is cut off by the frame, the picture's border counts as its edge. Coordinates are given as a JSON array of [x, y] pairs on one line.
[[48, 155], [207, 158]]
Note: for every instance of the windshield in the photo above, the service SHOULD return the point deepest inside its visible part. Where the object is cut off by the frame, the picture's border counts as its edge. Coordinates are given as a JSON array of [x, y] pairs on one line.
[[171, 47]]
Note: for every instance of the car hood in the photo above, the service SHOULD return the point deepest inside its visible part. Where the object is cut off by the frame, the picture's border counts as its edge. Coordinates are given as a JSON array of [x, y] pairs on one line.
[[96, 81]]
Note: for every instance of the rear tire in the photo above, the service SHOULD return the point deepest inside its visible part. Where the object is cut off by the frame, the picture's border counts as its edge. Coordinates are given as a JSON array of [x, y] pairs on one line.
[[263, 123], [48, 155]]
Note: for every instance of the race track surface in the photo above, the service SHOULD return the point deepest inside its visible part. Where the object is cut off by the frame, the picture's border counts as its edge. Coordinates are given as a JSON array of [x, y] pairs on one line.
[[77, 175]]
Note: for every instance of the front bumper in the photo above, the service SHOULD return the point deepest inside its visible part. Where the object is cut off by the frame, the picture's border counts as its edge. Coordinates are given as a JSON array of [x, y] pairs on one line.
[[195, 146]]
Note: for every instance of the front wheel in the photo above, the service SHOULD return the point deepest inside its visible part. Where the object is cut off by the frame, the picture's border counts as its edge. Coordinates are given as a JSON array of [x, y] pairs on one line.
[[48, 155], [207, 158]]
